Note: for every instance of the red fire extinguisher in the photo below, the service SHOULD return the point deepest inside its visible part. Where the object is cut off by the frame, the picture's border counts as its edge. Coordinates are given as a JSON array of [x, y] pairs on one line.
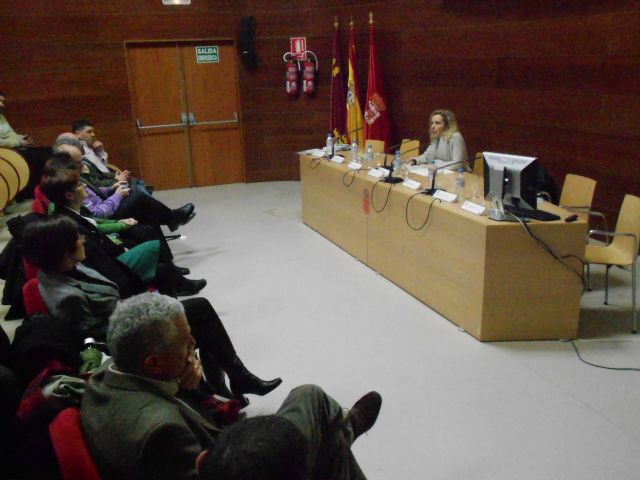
[[291, 77], [308, 77]]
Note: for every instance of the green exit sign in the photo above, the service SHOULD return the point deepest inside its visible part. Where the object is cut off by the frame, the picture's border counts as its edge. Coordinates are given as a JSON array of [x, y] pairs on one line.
[[208, 54]]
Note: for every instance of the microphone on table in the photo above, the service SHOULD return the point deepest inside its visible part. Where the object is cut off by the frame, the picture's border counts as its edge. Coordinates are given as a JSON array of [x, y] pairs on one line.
[[393, 166], [432, 190]]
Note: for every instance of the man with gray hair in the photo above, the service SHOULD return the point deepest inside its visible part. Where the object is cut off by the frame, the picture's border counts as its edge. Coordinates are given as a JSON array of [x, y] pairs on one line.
[[119, 201], [136, 427]]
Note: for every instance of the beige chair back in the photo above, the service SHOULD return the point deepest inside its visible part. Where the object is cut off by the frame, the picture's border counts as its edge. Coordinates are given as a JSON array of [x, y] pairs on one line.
[[628, 222], [4, 193], [577, 191], [409, 148], [378, 146], [478, 165], [10, 175], [19, 163]]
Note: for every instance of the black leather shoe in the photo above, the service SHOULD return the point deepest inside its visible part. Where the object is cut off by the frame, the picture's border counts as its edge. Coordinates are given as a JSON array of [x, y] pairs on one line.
[[241, 380], [252, 384], [182, 216], [183, 270], [190, 287], [364, 413]]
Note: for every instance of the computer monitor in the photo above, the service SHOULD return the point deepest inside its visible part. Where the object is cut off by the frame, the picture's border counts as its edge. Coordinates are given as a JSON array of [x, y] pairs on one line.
[[510, 179]]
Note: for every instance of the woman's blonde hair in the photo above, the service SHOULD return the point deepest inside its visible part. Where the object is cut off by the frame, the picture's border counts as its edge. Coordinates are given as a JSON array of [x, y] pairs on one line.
[[450, 123]]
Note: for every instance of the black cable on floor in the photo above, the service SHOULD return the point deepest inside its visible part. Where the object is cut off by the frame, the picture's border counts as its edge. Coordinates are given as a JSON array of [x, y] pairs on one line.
[[620, 369]]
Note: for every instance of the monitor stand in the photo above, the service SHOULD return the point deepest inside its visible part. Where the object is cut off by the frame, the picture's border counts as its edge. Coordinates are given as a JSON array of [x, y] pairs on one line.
[[497, 212]]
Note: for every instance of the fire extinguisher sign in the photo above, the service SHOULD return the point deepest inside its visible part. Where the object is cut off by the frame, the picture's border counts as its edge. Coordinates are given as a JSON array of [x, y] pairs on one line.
[[298, 47]]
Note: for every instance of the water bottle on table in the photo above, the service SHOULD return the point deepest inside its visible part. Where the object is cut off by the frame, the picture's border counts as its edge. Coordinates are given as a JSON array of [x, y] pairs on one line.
[[329, 146], [369, 153], [354, 152], [460, 184], [404, 170]]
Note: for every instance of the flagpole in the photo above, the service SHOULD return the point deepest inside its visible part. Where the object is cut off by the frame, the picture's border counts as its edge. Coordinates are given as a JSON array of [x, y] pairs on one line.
[[354, 124]]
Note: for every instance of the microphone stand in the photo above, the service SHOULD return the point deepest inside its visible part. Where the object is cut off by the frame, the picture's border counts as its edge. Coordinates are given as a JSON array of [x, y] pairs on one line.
[[391, 178], [432, 190]]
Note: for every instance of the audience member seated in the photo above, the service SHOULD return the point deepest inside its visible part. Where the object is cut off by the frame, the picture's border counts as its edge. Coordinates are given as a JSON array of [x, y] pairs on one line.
[[148, 256], [447, 144], [85, 299], [157, 436], [35, 156], [8, 137], [308, 438], [118, 201], [96, 159]]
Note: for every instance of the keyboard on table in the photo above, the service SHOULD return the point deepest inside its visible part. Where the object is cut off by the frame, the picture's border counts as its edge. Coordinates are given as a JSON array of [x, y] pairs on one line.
[[531, 214]]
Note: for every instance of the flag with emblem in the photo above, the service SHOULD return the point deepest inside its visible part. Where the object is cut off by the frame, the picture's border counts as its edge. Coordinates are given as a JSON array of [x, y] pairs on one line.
[[377, 125], [338, 123], [354, 111]]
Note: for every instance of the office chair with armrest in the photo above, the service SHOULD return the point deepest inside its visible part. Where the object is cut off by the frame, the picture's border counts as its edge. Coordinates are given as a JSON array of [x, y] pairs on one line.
[[409, 149], [577, 196], [623, 249], [478, 165]]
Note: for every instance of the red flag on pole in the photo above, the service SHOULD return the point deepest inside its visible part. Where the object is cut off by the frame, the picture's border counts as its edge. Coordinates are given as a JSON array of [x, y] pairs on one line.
[[377, 125], [338, 121]]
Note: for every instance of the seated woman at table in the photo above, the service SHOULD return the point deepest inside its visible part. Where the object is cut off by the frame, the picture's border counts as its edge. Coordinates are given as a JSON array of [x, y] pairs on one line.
[[447, 144], [84, 300]]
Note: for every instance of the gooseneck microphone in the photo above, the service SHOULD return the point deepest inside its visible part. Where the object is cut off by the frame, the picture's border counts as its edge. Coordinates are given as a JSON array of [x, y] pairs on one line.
[[432, 190], [391, 178]]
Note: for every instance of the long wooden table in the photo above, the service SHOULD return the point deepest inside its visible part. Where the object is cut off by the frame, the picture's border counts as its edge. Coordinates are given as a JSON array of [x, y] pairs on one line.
[[490, 278]]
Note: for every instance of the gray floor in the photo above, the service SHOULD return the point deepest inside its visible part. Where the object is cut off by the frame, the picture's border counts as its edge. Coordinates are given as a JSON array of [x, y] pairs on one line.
[[299, 307]]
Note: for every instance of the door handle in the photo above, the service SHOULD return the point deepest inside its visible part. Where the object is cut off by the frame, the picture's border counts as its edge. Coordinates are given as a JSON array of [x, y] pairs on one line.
[[193, 122], [146, 127]]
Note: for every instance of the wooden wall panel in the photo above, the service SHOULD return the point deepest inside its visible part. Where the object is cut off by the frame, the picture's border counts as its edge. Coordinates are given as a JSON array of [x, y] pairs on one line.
[[558, 80]]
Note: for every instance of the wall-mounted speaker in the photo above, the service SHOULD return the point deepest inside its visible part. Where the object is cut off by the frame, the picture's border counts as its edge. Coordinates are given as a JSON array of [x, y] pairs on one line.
[[247, 42]]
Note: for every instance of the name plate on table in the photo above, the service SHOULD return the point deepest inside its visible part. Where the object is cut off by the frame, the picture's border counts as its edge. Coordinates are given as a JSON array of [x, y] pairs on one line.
[[354, 165], [314, 152], [473, 208], [419, 170], [378, 172], [445, 196], [337, 159], [412, 184]]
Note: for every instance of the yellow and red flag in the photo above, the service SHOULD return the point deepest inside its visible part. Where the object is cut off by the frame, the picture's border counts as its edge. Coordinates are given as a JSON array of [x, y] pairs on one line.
[[354, 111], [338, 123], [377, 124]]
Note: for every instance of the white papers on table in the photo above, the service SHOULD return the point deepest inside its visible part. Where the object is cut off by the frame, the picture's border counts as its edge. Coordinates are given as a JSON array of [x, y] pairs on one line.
[[419, 170]]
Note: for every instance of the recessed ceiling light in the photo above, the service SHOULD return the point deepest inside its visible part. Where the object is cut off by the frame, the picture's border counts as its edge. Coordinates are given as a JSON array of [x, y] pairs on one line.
[[176, 2]]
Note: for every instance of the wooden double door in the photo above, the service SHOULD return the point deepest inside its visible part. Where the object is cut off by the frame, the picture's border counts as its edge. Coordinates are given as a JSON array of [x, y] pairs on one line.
[[187, 112]]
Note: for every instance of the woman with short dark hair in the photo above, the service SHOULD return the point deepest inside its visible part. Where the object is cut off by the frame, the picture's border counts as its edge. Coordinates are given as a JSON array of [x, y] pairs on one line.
[[84, 300]]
